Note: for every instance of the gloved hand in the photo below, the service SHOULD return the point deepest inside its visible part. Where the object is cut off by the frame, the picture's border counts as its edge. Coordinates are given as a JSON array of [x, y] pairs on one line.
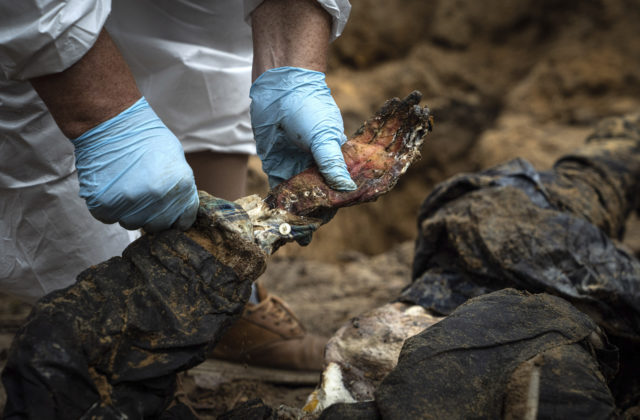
[[296, 121], [132, 170]]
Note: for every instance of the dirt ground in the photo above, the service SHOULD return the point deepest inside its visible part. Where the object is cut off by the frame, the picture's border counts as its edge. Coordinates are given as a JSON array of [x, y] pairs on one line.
[[503, 79]]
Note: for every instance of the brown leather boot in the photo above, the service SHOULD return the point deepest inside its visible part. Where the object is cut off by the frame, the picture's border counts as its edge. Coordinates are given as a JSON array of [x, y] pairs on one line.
[[269, 334]]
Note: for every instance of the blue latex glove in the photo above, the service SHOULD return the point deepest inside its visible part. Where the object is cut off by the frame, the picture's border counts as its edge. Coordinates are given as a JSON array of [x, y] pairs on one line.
[[132, 170], [296, 121]]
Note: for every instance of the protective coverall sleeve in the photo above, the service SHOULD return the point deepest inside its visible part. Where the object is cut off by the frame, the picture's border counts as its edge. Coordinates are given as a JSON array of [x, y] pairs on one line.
[[338, 9], [39, 37]]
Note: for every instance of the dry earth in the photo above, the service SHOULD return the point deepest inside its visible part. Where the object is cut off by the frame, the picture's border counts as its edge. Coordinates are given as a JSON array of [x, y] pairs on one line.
[[503, 78]]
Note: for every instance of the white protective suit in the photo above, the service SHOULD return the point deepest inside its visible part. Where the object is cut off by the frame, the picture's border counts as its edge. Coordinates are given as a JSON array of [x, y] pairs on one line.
[[191, 59]]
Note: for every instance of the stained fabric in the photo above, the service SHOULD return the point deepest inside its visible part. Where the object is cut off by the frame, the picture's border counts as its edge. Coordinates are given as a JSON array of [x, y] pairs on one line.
[[511, 226], [353, 411], [112, 344], [489, 356]]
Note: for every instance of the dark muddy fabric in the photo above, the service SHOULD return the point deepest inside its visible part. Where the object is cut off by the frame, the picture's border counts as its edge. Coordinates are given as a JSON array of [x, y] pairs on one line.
[[111, 344], [601, 182], [473, 361], [571, 385], [511, 226], [178, 412], [354, 411]]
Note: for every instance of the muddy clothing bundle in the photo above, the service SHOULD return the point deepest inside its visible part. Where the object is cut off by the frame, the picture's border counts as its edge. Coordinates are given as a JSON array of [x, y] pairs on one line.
[[552, 232], [110, 346], [507, 353]]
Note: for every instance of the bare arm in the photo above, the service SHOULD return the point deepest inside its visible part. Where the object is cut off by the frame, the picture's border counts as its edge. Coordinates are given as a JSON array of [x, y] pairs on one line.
[[290, 33], [97, 87]]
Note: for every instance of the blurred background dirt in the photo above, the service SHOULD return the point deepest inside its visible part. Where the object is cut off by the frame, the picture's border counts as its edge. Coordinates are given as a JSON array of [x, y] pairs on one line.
[[502, 78]]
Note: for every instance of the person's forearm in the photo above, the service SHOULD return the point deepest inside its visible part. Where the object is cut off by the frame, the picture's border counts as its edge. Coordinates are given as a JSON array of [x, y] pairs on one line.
[[96, 88], [290, 33]]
